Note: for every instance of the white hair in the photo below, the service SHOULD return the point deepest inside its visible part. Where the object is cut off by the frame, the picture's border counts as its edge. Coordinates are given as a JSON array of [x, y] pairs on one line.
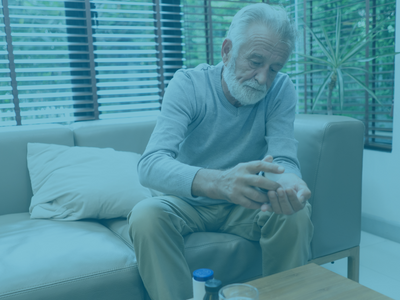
[[274, 18]]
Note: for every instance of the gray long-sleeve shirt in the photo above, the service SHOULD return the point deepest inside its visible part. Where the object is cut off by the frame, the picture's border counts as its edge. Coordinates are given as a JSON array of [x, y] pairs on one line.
[[199, 128]]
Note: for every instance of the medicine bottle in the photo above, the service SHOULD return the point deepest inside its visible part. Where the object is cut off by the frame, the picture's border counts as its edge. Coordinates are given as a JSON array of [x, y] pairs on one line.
[[200, 277], [212, 288]]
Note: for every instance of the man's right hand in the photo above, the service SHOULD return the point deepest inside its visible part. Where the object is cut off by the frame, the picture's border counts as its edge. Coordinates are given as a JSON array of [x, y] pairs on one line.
[[238, 184]]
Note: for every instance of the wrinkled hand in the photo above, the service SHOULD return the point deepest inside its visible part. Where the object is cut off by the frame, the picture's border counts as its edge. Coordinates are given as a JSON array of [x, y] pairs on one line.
[[290, 197], [238, 184]]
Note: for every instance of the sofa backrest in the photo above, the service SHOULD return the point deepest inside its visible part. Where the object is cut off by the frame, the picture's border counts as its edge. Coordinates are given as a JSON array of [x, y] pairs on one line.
[[121, 135], [15, 184]]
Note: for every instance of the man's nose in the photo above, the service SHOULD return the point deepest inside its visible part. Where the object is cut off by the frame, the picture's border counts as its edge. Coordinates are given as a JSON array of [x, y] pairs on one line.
[[262, 75]]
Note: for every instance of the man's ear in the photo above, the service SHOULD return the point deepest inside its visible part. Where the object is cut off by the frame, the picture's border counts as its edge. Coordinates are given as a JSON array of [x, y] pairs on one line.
[[226, 50]]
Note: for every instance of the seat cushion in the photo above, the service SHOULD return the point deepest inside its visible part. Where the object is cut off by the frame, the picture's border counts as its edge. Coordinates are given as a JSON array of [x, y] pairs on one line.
[[232, 258], [48, 259]]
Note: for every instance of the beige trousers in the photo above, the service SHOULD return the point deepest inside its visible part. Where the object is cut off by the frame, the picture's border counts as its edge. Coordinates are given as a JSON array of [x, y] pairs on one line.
[[157, 227]]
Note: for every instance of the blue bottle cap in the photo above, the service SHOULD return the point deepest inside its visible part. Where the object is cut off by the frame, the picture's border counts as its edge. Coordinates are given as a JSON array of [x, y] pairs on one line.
[[203, 274]]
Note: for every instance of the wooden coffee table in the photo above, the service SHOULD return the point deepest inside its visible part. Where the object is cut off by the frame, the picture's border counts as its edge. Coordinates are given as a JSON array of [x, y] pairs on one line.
[[312, 282]]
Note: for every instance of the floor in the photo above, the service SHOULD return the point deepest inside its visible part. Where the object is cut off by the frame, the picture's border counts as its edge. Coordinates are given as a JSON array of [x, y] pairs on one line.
[[379, 265]]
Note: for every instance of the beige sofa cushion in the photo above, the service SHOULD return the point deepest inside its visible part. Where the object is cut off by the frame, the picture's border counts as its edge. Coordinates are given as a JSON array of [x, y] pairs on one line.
[[73, 183], [80, 260]]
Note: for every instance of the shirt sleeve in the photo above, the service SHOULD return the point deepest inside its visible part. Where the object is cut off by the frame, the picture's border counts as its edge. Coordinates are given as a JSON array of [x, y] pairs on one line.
[[158, 168], [280, 139]]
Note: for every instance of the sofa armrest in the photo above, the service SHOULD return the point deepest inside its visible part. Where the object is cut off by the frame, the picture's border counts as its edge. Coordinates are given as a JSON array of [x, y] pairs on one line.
[[331, 154]]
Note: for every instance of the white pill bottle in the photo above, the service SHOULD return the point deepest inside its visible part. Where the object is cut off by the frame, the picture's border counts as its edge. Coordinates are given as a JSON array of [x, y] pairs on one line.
[[200, 276]]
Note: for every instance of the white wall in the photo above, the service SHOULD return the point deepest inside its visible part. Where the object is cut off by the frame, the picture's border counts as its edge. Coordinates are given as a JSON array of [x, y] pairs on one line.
[[381, 171]]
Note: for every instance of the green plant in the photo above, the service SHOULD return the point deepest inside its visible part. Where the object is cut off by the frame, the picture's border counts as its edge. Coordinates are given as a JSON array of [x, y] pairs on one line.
[[337, 61]]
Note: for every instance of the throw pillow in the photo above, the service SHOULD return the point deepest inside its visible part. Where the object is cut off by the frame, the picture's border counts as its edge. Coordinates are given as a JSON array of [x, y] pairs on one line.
[[72, 183]]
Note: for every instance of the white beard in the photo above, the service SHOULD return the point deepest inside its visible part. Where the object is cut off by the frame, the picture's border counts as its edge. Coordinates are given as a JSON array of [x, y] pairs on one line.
[[248, 92]]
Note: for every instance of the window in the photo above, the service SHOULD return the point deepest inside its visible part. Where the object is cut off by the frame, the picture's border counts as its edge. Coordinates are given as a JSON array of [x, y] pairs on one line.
[[67, 61]]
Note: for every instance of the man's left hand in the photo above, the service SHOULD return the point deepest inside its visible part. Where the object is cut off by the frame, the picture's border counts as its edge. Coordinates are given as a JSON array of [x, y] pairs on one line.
[[289, 198]]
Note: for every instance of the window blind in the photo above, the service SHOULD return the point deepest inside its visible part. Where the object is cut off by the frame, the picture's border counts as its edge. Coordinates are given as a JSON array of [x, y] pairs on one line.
[[135, 43], [68, 61], [41, 62]]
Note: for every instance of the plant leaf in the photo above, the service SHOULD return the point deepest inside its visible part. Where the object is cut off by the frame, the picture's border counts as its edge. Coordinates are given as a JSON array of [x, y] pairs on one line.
[[326, 52], [306, 72], [338, 30], [369, 91], [348, 41], [357, 47], [329, 43], [349, 62], [321, 89], [341, 87], [378, 56], [356, 68], [374, 31], [301, 62], [319, 60]]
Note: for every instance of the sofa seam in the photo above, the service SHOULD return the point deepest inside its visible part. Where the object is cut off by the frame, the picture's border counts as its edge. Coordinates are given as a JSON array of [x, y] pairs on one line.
[[319, 157], [120, 237], [72, 279], [315, 180]]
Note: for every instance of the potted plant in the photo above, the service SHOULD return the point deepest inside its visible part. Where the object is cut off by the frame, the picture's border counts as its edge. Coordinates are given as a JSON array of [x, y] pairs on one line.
[[338, 60]]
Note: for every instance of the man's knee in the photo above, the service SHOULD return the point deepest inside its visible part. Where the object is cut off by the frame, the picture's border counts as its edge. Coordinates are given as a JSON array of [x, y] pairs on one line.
[[298, 223], [301, 216], [301, 219], [146, 214]]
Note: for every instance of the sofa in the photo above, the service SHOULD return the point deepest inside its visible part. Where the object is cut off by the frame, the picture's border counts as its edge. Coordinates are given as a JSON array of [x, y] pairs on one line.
[[94, 259]]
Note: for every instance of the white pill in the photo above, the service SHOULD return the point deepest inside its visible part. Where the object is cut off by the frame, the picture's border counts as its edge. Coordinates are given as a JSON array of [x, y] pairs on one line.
[[272, 176]]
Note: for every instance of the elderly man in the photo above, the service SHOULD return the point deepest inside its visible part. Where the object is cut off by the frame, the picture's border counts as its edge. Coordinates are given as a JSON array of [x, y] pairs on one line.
[[220, 126]]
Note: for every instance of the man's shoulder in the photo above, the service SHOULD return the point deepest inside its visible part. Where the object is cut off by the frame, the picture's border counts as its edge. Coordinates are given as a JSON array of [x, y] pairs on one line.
[[282, 89], [281, 80], [199, 72]]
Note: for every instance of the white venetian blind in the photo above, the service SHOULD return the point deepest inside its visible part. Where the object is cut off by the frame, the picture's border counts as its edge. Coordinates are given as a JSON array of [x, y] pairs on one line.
[[126, 58], [50, 53], [131, 67], [68, 61]]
